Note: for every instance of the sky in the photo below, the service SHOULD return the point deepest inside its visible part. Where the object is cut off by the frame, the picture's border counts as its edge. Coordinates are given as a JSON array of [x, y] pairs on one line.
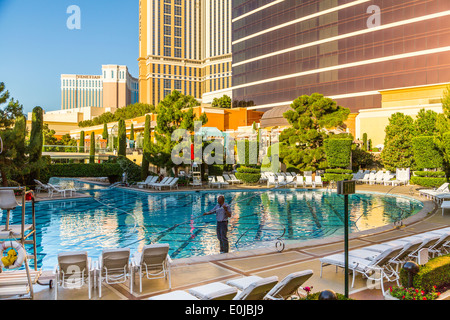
[[36, 46]]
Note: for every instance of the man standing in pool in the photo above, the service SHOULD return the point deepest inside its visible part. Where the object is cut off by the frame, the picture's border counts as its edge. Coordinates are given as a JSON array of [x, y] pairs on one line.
[[223, 212]]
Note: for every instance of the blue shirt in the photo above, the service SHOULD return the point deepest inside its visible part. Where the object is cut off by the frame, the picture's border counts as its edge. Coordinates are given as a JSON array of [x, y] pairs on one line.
[[221, 215]]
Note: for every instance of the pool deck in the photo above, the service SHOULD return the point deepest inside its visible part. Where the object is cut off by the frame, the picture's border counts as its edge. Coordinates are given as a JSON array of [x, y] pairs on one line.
[[191, 272]]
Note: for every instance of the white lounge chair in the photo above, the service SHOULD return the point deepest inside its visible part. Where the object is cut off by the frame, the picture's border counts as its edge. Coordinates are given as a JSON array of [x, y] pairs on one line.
[[289, 181], [248, 288], [431, 193], [377, 266], [283, 290], [162, 183], [233, 176], [231, 179], [153, 262], [221, 180], [308, 181], [214, 291], [147, 182], [318, 181], [73, 271], [299, 181], [365, 179], [281, 180], [196, 182], [41, 186], [272, 181], [114, 267], [54, 189], [170, 185]]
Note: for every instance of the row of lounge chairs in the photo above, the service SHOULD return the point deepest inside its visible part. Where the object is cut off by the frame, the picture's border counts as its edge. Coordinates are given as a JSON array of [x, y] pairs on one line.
[[246, 288], [52, 189], [152, 183], [382, 261], [380, 177], [115, 266], [297, 181], [438, 195]]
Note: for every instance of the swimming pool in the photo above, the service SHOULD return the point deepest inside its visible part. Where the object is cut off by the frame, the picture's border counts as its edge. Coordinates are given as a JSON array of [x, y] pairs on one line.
[[118, 218]]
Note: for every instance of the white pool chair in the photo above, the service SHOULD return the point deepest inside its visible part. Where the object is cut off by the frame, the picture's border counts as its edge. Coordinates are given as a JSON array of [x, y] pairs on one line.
[[233, 177], [377, 267], [214, 291], [170, 185], [272, 181], [150, 180], [308, 181], [221, 180], [73, 271], [162, 183], [299, 181], [114, 267], [54, 189], [318, 181], [41, 186], [154, 263]]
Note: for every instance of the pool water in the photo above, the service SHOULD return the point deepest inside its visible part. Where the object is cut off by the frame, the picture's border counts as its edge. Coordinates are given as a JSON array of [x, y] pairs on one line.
[[117, 218]]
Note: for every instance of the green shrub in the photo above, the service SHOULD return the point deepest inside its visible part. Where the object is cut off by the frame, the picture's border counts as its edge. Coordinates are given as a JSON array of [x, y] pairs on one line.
[[346, 171], [338, 152], [327, 177], [426, 153], [248, 175], [428, 181], [293, 169], [435, 273], [434, 174], [215, 170]]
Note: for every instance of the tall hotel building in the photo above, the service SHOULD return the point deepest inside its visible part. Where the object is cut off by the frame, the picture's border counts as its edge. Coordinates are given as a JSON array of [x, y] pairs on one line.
[[354, 51], [114, 88], [184, 45]]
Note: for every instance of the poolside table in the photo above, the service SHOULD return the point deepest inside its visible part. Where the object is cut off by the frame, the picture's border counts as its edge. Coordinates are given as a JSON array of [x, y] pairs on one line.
[[445, 205]]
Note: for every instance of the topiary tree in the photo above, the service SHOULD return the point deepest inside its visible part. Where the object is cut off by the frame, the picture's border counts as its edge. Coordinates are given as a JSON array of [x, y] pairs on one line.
[[302, 145], [82, 143], [146, 148], [398, 151], [338, 152], [36, 140], [122, 148], [92, 149], [365, 147], [105, 133], [426, 153]]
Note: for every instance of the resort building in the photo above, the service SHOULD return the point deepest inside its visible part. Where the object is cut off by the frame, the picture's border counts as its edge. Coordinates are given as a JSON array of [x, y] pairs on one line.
[[373, 57], [114, 88], [184, 45]]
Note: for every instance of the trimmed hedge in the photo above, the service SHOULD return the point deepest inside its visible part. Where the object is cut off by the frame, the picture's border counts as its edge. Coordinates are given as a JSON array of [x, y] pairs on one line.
[[426, 153], [113, 170], [428, 181], [346, 171], [327, 177], [431, 174], [435, 273], [248, 175], [338, 152]]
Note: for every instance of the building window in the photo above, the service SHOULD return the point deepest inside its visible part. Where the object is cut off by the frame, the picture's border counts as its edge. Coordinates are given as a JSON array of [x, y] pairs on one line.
[[167, 52], [177, 84], [167, 9], [167, 41], [177, 32], [167, 31], [177, 11], [177, 42], [167, 19], [178, 21]]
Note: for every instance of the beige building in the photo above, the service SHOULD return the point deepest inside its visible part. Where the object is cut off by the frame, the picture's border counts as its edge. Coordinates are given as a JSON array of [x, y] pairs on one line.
[[114, 88], [184, 46], [408, 101]]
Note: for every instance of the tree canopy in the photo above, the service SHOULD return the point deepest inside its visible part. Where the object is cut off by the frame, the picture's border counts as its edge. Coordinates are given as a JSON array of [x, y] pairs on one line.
[[129, 112], [302, 145]]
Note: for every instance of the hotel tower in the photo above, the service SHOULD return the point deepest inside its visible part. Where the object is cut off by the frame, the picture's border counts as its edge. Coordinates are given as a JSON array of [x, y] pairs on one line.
[[184, 45], [354, 51]]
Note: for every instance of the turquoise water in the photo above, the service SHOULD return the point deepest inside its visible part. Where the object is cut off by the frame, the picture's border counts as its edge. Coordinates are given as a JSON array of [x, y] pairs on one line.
[[115, 218]]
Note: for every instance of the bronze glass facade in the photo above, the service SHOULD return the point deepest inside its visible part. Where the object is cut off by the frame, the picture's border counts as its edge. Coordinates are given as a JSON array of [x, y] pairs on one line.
[[346, 49]]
